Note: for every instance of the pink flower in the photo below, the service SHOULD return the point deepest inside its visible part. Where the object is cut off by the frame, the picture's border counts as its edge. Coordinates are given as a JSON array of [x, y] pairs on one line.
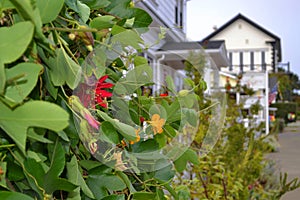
[[91, 120]]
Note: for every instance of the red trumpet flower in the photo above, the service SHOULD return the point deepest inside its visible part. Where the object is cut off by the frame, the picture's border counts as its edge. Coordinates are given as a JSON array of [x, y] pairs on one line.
[[100, 94]]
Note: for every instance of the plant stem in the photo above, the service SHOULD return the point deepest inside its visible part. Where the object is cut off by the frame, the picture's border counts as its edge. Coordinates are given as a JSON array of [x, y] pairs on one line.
[[7, 146], [204, 186], [225, 188], [69, 29], [107, 13]]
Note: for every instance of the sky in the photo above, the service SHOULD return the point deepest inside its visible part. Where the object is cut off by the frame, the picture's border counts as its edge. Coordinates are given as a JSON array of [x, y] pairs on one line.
[[280, 17]]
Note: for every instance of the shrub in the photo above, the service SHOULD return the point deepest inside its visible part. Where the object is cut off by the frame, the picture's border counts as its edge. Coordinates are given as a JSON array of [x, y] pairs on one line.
[[283, 108]]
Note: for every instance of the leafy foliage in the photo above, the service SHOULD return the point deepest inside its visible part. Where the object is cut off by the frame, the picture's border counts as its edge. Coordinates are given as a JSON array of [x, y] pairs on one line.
[[56, 141]]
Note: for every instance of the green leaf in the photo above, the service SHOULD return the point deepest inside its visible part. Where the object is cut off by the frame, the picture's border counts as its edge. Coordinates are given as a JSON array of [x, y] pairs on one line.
[[32, 114], [14, 196], [188, 101], [149, 145], [59, 184], [75, 177], [170, 84], [125, 130], [142, 18], [36, 171], [188, 155], [95, 63], [14, 41], [134, 79], [143, 195], [190, 116], [120, 8], [170, 131], [89, 164], [161, 139], [117, 29], [164, 174], [102, 22], [33, 135], [114, 197], [36, 156], [183, 192], [126, 180], [2, 78], [99, 184], [96, 4], [128, 38], [3, 174], [48, 84], [57, 162], [112, 182], [82, 9], [49, 9], [63, 136], [26, 10], [15, 172], [110, 132], [24, 77], [140, 60], [5, 4], [64, 70], [53, 182]]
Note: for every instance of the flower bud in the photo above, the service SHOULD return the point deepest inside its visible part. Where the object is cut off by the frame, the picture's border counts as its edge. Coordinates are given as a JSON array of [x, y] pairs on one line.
[[72, 36], [183, 93], [89, 47]]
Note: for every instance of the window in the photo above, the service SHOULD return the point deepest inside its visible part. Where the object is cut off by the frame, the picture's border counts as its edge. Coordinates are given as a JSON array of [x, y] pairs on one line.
[[230, 60], [263, 60], [241, 62], [176, 14], [179, 13], [251, 60]]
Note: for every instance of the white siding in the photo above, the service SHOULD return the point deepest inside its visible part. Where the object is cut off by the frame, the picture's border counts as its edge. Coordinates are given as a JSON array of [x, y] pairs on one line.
[[163, 13], [240, 36]]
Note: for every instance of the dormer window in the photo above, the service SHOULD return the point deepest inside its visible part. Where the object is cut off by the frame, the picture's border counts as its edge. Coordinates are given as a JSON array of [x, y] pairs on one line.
[[179, 13]]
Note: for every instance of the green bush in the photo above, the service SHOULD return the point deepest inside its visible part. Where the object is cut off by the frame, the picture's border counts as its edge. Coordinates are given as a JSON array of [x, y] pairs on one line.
[[283, 108]]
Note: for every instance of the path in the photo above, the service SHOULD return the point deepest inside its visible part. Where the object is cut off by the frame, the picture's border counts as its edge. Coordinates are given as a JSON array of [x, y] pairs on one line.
[[288, 157]]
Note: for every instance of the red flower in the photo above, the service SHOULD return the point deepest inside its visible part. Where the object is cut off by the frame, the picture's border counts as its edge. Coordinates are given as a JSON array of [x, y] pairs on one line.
[[142, 119], [164, 95], [100, 94]]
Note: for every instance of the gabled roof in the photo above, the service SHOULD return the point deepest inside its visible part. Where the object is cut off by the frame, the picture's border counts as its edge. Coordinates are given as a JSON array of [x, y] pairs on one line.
[[240, 16]]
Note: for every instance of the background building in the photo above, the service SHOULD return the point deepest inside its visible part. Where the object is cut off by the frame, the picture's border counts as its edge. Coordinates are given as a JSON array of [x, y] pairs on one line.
[[253, 52]]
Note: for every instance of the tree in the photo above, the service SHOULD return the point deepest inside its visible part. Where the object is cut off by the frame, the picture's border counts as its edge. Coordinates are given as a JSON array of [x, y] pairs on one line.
[[288, 83]]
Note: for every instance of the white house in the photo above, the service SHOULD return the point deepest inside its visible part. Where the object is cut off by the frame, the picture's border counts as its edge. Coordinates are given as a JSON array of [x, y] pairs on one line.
[[250, 46], [252, 51]]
